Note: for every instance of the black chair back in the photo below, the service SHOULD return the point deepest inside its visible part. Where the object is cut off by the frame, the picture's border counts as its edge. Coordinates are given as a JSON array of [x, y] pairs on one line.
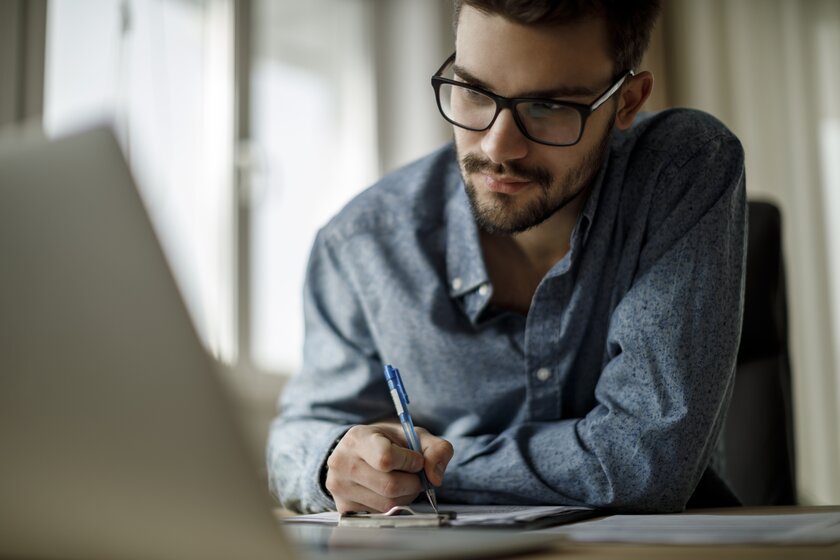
[[758, 434]]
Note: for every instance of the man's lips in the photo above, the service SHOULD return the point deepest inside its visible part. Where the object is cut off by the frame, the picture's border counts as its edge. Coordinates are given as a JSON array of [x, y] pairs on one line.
[[505, 185]]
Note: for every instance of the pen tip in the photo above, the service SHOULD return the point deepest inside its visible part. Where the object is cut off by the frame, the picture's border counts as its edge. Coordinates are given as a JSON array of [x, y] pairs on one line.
[[432, 499]]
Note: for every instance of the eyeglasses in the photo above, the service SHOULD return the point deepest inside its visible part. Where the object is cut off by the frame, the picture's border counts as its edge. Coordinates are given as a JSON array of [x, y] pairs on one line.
[[546, 121]]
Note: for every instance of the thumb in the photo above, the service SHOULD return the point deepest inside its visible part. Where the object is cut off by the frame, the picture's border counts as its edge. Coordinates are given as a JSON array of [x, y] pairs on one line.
[[437, 453]]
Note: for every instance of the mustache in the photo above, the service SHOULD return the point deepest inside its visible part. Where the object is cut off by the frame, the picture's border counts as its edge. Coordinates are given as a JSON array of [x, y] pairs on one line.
[[473, 163]]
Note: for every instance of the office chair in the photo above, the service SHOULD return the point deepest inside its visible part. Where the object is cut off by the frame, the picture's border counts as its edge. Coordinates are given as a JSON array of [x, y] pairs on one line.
[[758, 434]]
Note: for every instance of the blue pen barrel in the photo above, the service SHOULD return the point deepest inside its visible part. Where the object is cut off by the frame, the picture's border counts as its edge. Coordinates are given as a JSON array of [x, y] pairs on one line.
[[410, 434], [400, 398]]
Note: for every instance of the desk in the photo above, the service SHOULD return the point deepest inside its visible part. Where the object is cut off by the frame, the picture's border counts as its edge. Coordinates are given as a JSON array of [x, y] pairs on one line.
[[598, 551]]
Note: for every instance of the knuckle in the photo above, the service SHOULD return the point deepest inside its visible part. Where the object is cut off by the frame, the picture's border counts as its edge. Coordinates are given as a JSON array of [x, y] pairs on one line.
[[384, 463], [353, 434], [333, 485], [334, 460]]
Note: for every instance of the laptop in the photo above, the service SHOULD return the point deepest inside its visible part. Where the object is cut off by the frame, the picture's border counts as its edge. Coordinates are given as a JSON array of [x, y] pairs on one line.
[[117, 436]]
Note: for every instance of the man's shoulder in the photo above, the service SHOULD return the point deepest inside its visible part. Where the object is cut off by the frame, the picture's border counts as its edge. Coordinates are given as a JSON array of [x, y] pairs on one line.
[[411, 197], [665, 155], [677, 160], [678, 134]]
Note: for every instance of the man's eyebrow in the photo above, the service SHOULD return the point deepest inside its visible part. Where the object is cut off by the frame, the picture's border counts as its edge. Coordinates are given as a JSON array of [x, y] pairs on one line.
[[553, 93]]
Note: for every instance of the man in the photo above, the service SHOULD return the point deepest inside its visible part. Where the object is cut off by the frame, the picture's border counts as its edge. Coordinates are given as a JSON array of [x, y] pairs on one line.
[[562, 291]]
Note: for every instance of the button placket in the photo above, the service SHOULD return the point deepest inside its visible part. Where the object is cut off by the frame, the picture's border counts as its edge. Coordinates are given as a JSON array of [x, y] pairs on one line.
[[544, 348]]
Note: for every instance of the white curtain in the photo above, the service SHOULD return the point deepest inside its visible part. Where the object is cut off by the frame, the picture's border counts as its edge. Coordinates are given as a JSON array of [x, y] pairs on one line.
[[341, 94], [162, 72], [769, 69]]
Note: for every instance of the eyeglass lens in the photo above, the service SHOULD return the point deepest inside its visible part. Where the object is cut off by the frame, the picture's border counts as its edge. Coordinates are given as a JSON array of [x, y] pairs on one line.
[[543, 121]]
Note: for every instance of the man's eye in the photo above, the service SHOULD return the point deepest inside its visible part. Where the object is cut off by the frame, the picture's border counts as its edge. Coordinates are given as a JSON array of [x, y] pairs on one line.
[[474, 97], [543, 109]]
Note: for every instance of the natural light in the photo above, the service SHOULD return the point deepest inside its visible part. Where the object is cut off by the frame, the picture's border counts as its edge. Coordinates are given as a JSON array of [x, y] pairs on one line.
[[162, 73]]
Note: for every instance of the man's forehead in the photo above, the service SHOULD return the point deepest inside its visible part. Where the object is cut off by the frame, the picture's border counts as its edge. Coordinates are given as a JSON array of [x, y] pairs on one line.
[[505, 55]]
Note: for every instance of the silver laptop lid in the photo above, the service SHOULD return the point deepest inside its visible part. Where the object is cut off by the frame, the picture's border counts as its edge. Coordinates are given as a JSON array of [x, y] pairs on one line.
[[116, 437]]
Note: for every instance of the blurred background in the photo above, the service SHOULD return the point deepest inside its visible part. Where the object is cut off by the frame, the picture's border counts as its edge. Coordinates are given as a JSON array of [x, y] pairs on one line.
[[248, 123]]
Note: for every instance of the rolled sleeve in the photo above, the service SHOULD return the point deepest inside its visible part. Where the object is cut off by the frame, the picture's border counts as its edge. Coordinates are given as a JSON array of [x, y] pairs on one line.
[[339, 385]]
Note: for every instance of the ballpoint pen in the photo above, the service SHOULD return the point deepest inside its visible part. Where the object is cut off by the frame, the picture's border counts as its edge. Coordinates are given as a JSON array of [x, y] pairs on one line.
[[400, 398]]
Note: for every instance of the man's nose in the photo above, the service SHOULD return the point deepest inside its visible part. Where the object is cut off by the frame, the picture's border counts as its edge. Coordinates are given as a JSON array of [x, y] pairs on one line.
[[504, 141]]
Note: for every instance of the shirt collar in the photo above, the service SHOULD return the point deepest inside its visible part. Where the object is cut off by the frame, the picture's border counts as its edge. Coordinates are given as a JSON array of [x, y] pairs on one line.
[[580, 233], [465, 268]]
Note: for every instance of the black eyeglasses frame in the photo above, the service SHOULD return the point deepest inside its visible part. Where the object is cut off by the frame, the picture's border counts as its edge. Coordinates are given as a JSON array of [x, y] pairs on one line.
[[511, 102]]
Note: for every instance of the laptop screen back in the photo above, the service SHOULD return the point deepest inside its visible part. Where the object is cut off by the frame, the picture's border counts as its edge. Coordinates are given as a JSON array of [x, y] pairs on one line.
[[116, 437]]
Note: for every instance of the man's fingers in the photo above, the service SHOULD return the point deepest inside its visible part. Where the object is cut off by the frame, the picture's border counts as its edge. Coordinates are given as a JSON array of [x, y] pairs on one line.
[[357, 497], [437, 452], [390, 484], [385, 456]]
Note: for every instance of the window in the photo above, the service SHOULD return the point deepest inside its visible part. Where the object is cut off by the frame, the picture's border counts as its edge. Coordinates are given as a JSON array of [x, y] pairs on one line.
[[334, 86], [162, 73], [340, 94]]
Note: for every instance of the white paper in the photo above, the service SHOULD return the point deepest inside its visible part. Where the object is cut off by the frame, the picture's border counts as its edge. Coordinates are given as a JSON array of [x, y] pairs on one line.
[[803, 528], [470, 515], [326, 518]]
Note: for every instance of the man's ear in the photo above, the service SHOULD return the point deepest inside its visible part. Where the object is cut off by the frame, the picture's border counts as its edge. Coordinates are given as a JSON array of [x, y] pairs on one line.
[[634, 93]]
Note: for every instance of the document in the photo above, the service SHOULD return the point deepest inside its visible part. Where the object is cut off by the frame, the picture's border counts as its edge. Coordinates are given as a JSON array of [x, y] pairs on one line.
[[515, 517], [802, 528]]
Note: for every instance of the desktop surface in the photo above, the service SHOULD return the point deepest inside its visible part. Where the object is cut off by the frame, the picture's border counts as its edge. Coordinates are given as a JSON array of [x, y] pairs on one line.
[[571, 550], [320, 536]]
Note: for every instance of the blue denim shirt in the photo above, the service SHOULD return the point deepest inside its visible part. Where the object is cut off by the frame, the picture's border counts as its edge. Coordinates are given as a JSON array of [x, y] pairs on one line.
[[610, 393]]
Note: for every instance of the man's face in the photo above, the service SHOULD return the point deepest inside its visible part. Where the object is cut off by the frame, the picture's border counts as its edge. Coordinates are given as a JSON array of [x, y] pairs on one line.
[[512, 182]]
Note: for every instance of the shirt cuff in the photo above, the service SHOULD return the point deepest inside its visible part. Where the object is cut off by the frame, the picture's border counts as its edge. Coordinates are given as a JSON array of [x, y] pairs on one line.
[[321, 497]]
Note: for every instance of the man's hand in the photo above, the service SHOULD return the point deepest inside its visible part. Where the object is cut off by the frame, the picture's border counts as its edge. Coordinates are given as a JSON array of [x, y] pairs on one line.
[[372, 469]]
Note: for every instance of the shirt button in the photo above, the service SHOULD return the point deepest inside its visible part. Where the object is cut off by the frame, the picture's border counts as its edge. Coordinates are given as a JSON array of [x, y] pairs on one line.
[[457, 283], [483, 289], [543, 374]]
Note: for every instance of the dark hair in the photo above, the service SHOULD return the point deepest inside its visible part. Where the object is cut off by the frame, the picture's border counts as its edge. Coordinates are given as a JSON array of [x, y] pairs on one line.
[[629, 22]]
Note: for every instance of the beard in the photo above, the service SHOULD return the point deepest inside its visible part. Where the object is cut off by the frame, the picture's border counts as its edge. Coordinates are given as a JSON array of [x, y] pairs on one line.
[[503, 214]]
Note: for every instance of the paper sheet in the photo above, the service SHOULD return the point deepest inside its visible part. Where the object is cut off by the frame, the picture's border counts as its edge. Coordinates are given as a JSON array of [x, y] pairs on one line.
[[803, 528], [472, 515]]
